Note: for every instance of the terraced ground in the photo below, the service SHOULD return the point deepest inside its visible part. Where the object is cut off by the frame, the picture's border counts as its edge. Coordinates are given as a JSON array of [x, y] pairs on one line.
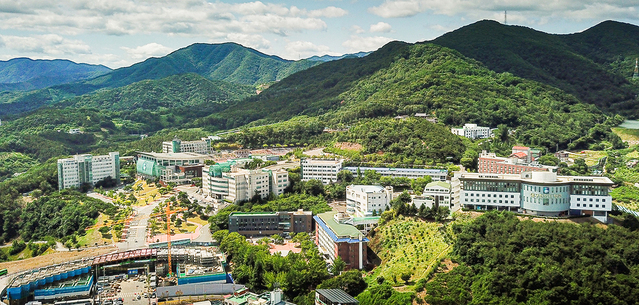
[[410, 245]]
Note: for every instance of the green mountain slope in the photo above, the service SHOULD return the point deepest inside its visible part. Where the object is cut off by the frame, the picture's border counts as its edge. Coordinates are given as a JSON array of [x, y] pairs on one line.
[[227, 62], [406, 79], [310, 92], [572, 63], [29, 74], [170, 92]]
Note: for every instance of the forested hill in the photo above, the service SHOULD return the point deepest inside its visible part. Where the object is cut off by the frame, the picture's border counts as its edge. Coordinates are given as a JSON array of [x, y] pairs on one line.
[[594, 65], [228, 62], [170, 92], [29, 74], [404, 79]]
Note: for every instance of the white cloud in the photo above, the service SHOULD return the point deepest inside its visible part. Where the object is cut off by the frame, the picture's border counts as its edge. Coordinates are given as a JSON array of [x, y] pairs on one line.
[[357, 43], [252, 41], [393, 9], [190, 17], [357, 29], [49, 44], [304, 49], [572, 9], [148, 50], [329, 12], [381, 27]]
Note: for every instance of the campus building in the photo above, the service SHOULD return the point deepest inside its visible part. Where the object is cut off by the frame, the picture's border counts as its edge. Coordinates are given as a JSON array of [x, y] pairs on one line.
[[170, 167], [73, 172], [323, 170], [537, 193], [362, 200], [472, 131], [269, 223], [335, 238], [410, 173], [436, 194], [520, 160], [227, 181], [178, 146]]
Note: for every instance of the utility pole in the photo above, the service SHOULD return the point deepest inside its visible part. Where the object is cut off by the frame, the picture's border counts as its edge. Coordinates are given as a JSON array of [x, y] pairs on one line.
[[636, 74]]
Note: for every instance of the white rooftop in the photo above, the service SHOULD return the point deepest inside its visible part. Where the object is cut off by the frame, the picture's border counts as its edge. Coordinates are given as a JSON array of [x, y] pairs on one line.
[[368, 188]]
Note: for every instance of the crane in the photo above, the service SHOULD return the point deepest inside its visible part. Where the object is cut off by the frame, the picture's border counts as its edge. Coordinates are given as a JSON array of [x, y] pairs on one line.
[[168, 232]]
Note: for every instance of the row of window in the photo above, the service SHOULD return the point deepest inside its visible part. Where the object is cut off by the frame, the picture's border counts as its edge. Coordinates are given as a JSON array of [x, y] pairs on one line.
[[493, 195], [590, 205], [490, 201]]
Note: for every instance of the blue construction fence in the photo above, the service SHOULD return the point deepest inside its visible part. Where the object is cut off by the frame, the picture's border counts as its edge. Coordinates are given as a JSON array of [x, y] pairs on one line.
[[17, 293]]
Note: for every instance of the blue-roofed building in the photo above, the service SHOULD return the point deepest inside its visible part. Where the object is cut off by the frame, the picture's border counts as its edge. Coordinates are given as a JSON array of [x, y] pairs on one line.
[[410, 173], [335, 238]]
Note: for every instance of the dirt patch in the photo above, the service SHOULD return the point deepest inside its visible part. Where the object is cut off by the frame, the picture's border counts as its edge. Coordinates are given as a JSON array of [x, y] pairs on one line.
[[348, 146], [54, 258], [446, 266]]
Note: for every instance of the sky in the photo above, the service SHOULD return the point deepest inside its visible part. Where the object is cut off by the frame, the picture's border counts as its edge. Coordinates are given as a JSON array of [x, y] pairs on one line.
[[119, 33]]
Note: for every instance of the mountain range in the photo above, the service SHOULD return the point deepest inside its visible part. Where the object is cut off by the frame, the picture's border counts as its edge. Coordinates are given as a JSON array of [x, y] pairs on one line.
[[595, 65], [28, 74], [554, 89], [228, 62]]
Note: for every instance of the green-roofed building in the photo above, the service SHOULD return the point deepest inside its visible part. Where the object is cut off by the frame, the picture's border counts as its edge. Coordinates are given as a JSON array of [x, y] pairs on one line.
[[336, 238], [436, 194]]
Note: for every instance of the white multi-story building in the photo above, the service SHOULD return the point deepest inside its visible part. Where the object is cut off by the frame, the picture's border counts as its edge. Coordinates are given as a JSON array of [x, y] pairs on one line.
[[178, 146], [436, 194], [362, 200], [226, 181], [410, 173], [537, 193], [73, 172], [472, 131], [323, 170]]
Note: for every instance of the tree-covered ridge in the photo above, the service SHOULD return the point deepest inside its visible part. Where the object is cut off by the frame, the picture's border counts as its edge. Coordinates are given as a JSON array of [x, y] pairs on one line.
[[578, 63], [29, 74], [228, 62], [310, 92], [437, 80], [505, 260], [174, 91]]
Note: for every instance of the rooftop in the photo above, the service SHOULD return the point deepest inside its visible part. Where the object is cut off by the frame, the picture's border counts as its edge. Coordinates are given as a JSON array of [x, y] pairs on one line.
[[439, 183], [337, 296], [426, 170], [367, 188], [540, 177], [183, 155], [340, 232], [521, 147]]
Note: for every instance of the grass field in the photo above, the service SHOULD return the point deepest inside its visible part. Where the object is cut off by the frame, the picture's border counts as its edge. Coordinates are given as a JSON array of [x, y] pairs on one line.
[[628, 135], [591, 156]]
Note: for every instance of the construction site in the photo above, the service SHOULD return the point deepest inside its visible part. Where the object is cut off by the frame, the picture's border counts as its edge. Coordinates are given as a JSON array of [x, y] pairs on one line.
[[181, 272]]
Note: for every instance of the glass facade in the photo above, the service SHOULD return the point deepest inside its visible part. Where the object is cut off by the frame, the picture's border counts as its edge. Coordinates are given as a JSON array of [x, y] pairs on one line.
[[492, 186]]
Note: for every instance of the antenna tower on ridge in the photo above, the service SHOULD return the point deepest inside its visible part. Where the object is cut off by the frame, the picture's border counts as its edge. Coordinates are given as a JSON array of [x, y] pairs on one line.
[[505, 17], [636, 74]]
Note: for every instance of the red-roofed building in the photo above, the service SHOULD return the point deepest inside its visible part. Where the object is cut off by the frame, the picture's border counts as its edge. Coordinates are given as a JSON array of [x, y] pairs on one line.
[[519, 161]]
